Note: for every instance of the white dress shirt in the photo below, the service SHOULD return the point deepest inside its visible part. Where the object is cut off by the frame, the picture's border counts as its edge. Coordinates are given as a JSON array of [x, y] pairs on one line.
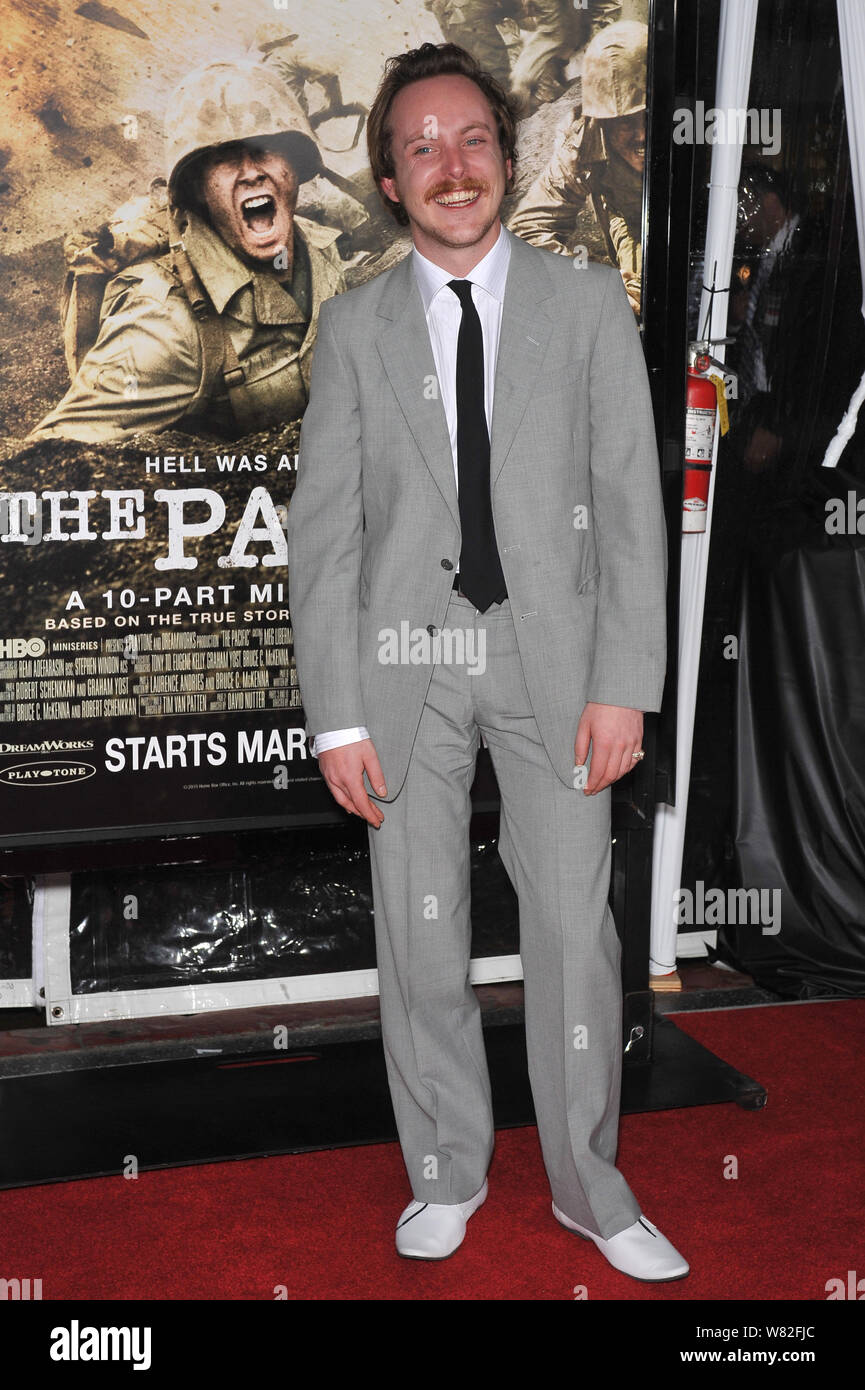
[[444, 316]]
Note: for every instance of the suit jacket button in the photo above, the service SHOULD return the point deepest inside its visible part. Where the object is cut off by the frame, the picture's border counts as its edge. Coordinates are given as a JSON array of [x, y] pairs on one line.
[[447, 565]]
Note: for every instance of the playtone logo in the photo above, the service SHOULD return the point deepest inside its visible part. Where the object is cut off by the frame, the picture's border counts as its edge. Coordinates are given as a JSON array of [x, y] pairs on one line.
[[76, 1343], [60, 772]]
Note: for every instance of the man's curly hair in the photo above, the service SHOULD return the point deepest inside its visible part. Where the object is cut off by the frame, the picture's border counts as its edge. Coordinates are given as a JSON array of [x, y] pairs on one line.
[[432, 60]]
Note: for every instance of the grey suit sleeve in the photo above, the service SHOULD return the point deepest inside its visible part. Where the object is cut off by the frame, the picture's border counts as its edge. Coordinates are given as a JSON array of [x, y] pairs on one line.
[[325, 534], [630, 647]]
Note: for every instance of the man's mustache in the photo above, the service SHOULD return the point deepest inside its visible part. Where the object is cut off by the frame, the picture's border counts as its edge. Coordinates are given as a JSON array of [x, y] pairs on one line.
[[472, 186]]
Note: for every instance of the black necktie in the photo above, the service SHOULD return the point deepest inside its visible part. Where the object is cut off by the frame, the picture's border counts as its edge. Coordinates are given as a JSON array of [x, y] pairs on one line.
[[481, 577]]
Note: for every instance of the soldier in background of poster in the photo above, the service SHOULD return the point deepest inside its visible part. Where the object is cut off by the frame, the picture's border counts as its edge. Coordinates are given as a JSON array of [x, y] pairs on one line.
[[555, 30], [476, 25], [600, 159]]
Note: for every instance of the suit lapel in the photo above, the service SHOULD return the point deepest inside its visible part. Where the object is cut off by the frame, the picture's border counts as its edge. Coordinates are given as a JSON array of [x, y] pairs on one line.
[[525, 334], [406, 354]]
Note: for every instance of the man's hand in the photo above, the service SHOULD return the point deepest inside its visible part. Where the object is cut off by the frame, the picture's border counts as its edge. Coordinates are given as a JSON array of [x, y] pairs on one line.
[[615, 734], [343, 769]]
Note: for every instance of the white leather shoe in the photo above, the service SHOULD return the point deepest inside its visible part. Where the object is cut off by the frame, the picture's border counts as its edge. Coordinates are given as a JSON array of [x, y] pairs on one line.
[[640, 1250], [433, 1231]]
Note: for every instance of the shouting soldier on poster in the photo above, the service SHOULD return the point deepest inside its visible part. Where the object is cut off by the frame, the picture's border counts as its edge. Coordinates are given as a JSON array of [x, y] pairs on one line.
[[202, 314]]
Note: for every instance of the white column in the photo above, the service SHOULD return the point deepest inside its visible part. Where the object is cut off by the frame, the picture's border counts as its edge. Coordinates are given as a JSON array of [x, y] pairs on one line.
[[851, 29], [735, 52]]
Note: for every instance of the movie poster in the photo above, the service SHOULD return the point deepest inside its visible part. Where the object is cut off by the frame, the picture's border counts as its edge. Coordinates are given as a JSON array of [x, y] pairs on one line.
[[160, 298]]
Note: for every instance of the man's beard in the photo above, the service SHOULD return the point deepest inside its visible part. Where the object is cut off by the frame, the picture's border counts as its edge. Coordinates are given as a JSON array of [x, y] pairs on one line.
[[456, 242]]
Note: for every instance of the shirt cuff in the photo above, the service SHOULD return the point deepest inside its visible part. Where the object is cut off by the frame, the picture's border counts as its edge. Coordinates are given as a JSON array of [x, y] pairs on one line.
[[336, 739]]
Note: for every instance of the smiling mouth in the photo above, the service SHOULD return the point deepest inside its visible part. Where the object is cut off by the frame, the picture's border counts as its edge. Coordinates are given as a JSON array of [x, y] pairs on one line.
[[259, 211], [459, 198]]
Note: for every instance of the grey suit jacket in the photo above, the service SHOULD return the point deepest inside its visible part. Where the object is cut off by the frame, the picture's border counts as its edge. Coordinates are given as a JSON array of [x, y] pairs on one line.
[[374, 528]]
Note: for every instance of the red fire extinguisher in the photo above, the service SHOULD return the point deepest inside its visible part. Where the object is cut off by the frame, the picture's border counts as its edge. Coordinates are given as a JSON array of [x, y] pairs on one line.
[[702, 401]]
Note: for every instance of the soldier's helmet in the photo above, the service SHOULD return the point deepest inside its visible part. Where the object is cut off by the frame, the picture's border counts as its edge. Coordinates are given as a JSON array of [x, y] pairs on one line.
[[614, 71], [225, 102]]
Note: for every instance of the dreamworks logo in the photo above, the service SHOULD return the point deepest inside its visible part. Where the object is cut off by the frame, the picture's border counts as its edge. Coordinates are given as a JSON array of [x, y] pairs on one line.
[[48, 745], [736, 907], [423, 646]]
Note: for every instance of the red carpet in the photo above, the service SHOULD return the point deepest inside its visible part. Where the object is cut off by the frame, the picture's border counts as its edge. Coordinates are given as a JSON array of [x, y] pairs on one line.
[[321, 1224]]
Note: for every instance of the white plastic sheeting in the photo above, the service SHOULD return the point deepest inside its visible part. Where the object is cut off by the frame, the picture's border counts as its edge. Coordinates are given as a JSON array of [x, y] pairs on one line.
[[52, 965]]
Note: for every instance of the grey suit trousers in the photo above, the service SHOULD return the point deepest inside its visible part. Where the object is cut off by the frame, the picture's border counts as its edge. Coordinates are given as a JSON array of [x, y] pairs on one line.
[[555, 844]]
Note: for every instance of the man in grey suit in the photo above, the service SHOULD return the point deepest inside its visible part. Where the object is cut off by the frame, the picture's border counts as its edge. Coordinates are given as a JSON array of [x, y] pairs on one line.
[[476, 547]]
